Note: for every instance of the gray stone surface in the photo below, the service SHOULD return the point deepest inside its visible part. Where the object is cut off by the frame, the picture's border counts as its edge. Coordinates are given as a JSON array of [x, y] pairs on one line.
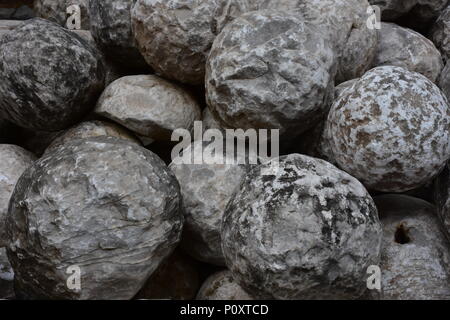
[[270, 70], [206, 189], [299, 228], [176, 279], [415, 258], [88, 129], [14, 161], [41, 88], [6, 277], [111, 29], [103, 204], [175, 36], [422, 10], [440, 33], [403, 47], [149, 106], [442, 198], [222, 286], [55, 10], [444, 81], [390, 130]]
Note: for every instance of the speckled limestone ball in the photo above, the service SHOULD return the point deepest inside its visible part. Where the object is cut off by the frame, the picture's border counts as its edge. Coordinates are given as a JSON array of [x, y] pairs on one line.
[[50, 76], [111, 29], [299, 228], [415, 255], [390, 130], [175, 36], [103, 205], [222, 286], [440, 33], [270, 70], [403, 47], [206, 189], [14, 160], [56, 11]]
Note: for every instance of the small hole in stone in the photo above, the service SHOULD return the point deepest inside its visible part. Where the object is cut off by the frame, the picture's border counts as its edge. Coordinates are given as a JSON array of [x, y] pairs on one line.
[[401, 235]]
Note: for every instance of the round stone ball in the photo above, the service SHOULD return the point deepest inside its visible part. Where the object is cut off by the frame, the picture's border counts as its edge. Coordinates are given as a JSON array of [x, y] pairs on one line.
[[14, 160], [422, 11], [6, 277], [206, 189], [442, 198], [175, 36], [299, 228], [415, 255], [390, 130], [50, 76], [111, 29], [103, 207], [403, 47], [88, 129], [345, 23], [149, 106], [270, 70], [177, 278], [222, 286], [56, 11], [440, 33]]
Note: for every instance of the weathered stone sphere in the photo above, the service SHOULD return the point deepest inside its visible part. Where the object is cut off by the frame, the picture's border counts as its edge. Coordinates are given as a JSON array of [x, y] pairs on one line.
[[299, 228], [50, 76], [390, 130], [102, 205]]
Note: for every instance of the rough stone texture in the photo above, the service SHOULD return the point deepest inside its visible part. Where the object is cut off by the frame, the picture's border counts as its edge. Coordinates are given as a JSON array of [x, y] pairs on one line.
[[206, 189], [175, 36], [90, 129], [299, 228], [442, 198], [175, 279], [422, 10], [345, 22], [14, 161], [209, 122], [6, 277], [403, 47], [43, 88], [415, 258], [222, 286], [390, 129], [111, 29], [103, 204], [270, 70], [440, 33], [55, 10], [444, 81], [149, 106]]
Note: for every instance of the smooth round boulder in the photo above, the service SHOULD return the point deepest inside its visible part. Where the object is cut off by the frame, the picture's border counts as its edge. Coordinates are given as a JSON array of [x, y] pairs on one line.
[[88, 129], [442, 198], [256, 80], [415, 258], [14, 160], [41, 88], [206, 189], [299, 228], [390, 130], [111, 29], [175, 36], [101, 207], [222, 286], [440, 33], [149, 106], [56, 11], [176, 279], [6, 277], [421, 10], [403, 47]]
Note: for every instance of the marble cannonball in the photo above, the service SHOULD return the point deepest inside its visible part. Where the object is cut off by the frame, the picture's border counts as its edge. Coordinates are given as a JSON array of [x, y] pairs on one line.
[[390, 130], [299, 228], [50, 76], [104, 206], [270, 70]]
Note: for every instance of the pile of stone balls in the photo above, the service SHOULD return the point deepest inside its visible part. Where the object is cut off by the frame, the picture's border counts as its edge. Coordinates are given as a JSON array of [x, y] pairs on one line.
[[93, 205]]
